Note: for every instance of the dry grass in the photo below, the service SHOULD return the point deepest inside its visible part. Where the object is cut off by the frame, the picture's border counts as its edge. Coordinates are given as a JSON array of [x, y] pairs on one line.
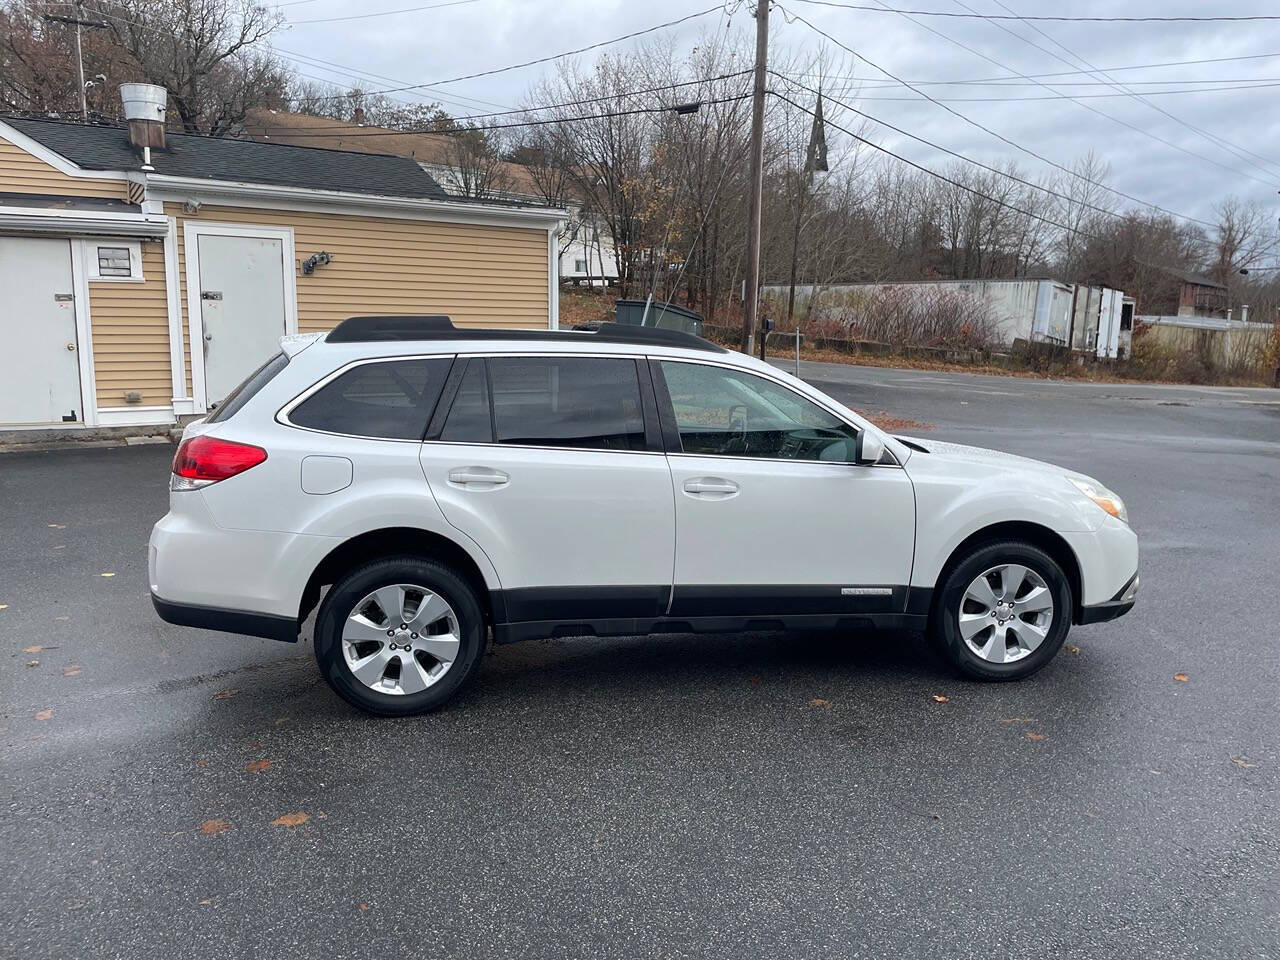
[[891, 424]]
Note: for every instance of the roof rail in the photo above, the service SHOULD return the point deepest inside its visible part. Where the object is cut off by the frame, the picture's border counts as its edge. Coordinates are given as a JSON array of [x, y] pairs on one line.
[[364, 329], [437, 327]]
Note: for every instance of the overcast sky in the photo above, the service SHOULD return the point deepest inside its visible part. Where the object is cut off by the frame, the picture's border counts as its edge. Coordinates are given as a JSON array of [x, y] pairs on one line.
[[431, 45]]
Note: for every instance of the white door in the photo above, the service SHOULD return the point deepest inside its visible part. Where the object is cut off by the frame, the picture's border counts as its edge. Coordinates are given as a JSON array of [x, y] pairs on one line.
[[772, 518], [242, 307], [572, 503], [39, 364]]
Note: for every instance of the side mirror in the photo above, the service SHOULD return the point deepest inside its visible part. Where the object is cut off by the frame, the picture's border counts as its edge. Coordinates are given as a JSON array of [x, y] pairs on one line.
[[868, 448]]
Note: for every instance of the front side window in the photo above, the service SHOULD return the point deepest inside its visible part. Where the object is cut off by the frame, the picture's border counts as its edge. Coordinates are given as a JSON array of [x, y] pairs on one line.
[[728, 413], [588, 403], [387, 400]]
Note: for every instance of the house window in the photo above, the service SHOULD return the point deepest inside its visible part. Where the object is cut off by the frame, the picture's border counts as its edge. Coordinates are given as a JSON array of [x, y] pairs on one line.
[[119, 260], [579, 266]]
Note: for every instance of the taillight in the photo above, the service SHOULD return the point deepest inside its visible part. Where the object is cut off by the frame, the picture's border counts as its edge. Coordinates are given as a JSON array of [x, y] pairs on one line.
[[201, 461]]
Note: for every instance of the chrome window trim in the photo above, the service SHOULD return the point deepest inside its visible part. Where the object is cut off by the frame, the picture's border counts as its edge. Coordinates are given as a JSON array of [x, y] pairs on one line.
[[282, 415]]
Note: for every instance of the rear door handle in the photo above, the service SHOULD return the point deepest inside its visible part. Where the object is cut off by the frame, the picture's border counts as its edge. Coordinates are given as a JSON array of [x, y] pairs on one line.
[[478, 476], [713, 488]]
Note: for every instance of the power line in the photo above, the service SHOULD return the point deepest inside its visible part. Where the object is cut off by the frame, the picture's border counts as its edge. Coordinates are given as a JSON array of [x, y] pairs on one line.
[[977, 163], [361, 132], [354, 73], [520, 111], [548, 59], [999, 136], [1091, 109], [1087, 106], [1061, 19], [1219, 142], [383, 13], [933, 173], [1089, 96]]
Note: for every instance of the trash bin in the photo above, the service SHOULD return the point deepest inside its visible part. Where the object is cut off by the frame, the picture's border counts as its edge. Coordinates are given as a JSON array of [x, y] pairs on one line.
[[663, 316]]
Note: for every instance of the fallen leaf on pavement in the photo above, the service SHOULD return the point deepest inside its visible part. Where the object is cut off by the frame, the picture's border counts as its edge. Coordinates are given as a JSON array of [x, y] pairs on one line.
[[1071, 648], [211, 828], [33, 663], [226, 694], [819, 702], [4, 606], [280, 721], [290, 820], [57, 526], [205, 903], [364, 907], [202, 762], [939, 698], [34, 648], [1032, 735], [258, 765], [1181, 677], [1243, 763], [71, 670], [62, 618], [106, 574], [44, 715]]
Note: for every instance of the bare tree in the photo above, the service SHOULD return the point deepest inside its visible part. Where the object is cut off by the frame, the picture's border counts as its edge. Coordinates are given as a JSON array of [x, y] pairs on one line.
[[209, 54]]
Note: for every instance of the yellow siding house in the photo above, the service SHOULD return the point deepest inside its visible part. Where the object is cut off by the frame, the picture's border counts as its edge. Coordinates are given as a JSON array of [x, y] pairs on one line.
[[133, 293]]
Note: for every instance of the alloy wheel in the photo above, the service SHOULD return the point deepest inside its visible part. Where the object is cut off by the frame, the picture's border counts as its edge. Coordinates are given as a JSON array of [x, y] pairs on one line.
[[400, 639], [1006, 613]]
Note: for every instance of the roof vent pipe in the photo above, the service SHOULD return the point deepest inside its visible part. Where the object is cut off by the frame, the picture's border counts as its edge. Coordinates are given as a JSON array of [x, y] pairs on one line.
[[144, 108]]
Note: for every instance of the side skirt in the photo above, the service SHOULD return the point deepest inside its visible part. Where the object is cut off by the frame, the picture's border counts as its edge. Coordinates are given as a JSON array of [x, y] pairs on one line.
[[628, 627]]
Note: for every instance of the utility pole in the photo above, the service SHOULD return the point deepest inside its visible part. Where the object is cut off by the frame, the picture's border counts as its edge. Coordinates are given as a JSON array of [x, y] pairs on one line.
[[751, 295], [79, 22]]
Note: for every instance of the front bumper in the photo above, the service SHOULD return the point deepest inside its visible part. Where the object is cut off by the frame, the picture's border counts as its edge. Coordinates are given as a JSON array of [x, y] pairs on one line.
[[1118, 606]]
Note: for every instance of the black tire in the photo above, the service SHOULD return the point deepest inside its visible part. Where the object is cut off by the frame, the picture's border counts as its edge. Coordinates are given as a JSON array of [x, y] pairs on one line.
[[944, 626], [430, 574]]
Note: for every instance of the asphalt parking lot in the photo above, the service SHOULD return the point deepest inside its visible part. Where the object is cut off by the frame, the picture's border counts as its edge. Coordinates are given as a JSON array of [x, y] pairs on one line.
[[170, 792]]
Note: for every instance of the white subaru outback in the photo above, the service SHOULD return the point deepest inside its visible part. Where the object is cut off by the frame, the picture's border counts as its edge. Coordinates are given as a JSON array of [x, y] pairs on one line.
[[427, 485]]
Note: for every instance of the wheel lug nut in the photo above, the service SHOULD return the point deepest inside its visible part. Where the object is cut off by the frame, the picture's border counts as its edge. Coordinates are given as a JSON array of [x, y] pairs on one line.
[[413, 636], [391, 633]]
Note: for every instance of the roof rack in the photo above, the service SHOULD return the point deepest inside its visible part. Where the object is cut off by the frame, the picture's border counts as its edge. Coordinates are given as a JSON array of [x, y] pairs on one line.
[[437, 327]]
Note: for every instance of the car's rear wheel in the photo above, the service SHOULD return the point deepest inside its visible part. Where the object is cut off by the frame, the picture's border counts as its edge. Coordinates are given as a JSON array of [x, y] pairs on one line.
[[1002, 612], [399, 636]]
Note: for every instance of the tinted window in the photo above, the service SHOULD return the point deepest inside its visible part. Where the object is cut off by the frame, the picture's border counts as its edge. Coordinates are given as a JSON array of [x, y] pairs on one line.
[[390, 399], [468, 420], [242, 394], [585, 402], [722, 412]]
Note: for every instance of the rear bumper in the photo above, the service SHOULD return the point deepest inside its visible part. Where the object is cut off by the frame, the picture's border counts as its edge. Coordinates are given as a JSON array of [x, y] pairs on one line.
[[243, 622]]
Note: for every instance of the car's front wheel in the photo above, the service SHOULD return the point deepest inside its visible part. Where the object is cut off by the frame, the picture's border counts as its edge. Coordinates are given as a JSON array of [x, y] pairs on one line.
[[1003, 611], [399, 636]]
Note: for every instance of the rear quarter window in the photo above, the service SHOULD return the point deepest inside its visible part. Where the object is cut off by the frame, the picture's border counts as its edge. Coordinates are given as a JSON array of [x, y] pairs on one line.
[[383, 399], [242, 394]]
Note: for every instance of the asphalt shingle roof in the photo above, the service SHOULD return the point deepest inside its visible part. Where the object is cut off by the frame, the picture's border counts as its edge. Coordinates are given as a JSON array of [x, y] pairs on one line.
[[220, 158]]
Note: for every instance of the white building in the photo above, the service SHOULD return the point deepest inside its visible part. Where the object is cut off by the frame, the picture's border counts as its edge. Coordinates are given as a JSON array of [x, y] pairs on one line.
[[1089, 319]]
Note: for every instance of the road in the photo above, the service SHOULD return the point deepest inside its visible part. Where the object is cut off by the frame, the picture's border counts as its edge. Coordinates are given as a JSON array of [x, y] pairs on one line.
[[742, 796]]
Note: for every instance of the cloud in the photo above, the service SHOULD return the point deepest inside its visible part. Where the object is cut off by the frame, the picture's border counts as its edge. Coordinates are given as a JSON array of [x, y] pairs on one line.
[[440, 44]]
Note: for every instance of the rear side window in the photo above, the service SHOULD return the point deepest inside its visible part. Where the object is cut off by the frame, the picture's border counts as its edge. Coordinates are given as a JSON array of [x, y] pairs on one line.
[[386, 400], [583, 402], [242, 394]]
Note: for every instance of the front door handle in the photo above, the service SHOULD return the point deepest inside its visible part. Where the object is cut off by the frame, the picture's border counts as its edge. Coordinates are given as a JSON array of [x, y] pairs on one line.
[[712, 488], [478, 476]]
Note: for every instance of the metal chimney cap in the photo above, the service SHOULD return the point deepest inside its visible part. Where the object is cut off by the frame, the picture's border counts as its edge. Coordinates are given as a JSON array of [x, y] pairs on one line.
[[144, 101]]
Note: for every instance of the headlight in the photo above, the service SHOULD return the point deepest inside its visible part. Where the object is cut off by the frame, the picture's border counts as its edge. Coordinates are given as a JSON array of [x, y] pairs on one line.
[[1103, 497]]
